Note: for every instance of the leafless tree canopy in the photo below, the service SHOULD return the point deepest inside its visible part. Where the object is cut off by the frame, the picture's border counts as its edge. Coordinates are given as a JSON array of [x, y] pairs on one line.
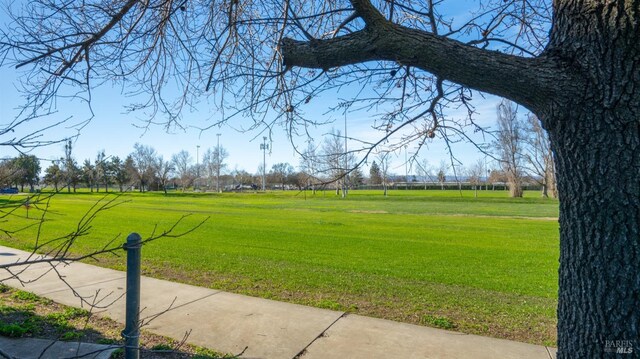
[[245, 56], [509, 145], [539, 156]]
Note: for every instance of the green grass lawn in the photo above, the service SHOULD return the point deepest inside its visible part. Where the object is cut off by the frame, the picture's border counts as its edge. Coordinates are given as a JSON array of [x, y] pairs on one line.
[[484, 265]]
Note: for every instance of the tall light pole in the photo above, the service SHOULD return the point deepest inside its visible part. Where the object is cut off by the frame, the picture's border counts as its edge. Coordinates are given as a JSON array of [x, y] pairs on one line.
[[406, 169], [197, 166], [486, 182], [346, 160], [264, 146], [218, 164]]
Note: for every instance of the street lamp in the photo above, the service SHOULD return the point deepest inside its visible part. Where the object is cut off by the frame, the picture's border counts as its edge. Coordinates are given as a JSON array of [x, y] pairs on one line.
[[406, 169], [218, 164], [264, 147], [197, 166], [345, 179]]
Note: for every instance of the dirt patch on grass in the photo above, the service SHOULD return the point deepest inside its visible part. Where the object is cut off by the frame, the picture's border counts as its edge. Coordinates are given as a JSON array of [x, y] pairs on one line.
[[496, 216], [369, 212]]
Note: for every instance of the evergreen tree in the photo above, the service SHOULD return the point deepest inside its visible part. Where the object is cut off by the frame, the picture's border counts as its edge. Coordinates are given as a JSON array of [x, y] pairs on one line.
[[375, 177]]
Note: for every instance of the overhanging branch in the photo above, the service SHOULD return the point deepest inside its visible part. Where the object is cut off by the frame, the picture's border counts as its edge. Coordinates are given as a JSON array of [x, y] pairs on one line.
[[528, 81]]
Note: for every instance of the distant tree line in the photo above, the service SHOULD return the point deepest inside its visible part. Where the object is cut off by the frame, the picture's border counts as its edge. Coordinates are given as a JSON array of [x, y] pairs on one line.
[[20, 171], [145, 170], [521, 147]]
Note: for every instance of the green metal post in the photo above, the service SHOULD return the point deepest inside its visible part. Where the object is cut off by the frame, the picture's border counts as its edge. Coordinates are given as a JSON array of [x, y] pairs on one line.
[[131, 331]]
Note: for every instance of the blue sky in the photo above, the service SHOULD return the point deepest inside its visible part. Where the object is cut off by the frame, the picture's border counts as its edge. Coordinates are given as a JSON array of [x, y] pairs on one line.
[[115, 131]]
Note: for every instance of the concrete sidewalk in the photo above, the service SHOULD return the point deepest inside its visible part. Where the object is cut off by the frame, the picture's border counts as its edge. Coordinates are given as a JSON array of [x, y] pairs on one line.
[[230, 323], [30, 347]]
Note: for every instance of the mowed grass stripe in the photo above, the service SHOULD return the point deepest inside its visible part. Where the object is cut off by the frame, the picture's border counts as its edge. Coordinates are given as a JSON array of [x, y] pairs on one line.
[[414, 259]]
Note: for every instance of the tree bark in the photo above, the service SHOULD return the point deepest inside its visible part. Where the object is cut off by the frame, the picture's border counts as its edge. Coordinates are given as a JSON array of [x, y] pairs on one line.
[[595, 133], [599, 190]]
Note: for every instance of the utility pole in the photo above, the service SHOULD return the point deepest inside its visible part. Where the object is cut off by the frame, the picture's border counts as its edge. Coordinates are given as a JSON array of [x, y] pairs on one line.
[[195, 185], [218, 165], [264, 146], [346, 159], [406, 169]]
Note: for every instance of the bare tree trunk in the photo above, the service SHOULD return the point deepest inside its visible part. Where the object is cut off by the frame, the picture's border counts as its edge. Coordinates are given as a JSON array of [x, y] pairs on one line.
[[550, 182], [515, 186], [599, 296]]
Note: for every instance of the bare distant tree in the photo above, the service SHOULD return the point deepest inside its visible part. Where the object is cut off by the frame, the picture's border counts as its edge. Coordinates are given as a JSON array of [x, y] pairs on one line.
[[509, 145], [121, 174], [181, 163], [89, 174], [385, 162], [309, 166], [442, 173], [334, 160], [70, 167], [103, 171], [241, 177], [144, 158], [425, 171], [163, 170], [214, 163], [539, 156], [476, 172], [497, 176], [281, 172]]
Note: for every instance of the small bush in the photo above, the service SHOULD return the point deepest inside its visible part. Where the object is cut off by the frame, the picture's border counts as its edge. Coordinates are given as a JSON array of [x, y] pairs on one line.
[[72, 313], [438, 322], [162, 347], [13, 330], [26, 296], [71, 335]]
